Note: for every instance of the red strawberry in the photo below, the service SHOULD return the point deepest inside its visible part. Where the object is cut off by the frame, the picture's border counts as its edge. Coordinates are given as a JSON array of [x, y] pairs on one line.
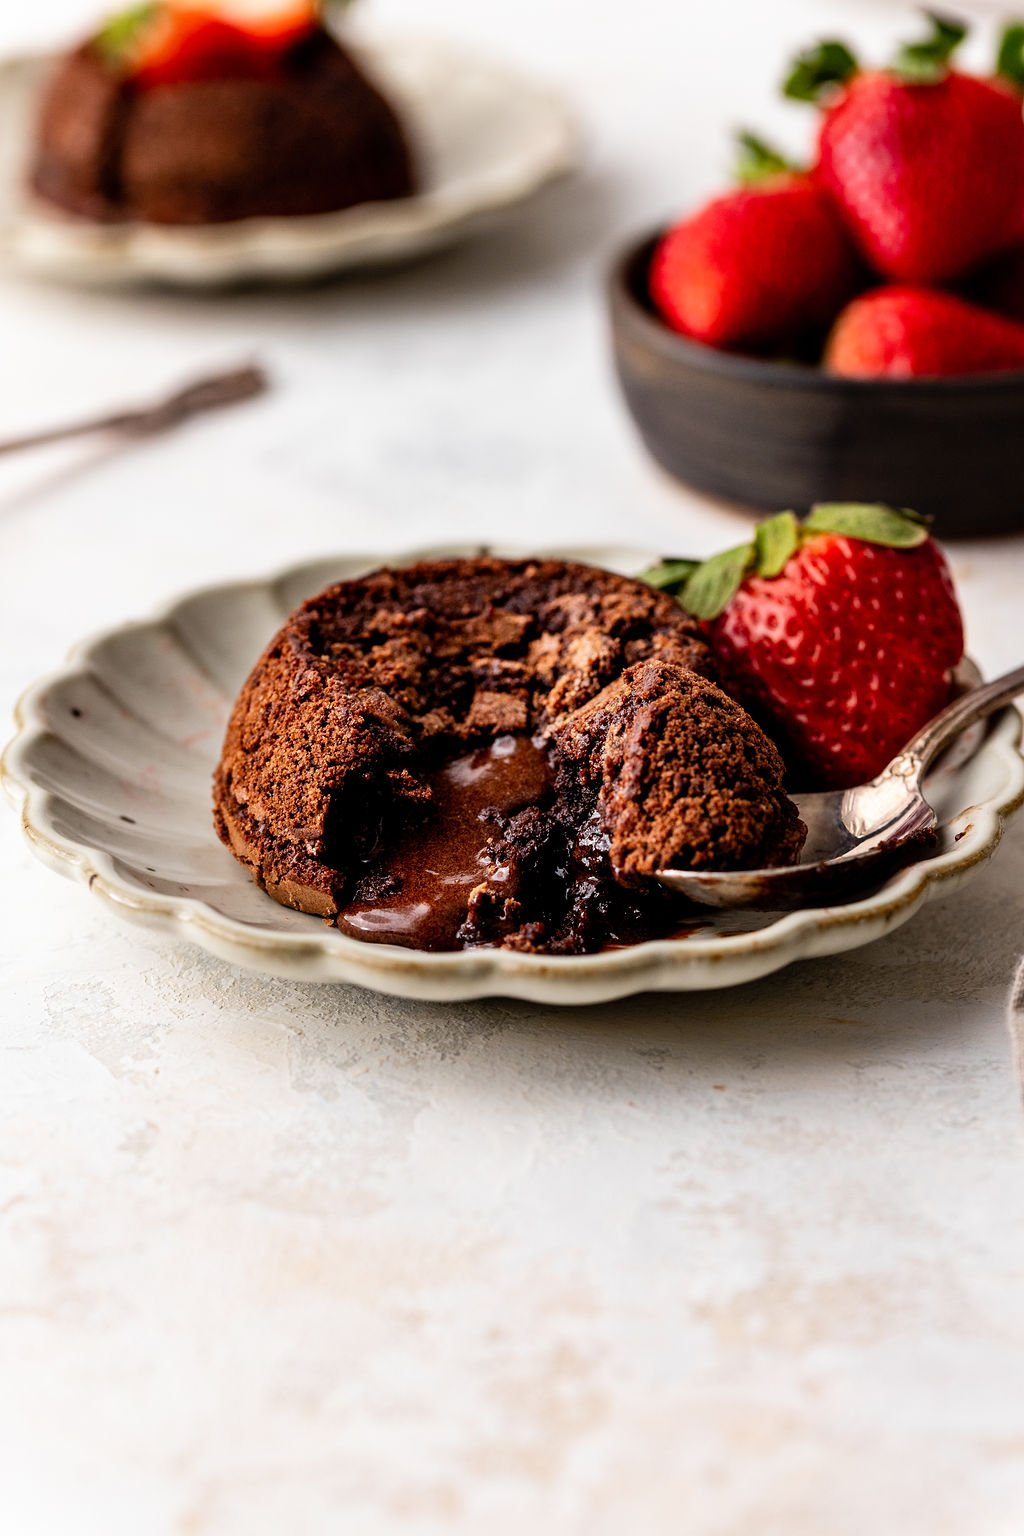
[[839, 634], [174, 42], [191, 47], [903, 332], [761, 267], [927, 165]]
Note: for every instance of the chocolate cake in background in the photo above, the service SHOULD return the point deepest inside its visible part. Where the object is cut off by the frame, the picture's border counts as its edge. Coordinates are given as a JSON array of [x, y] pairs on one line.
[[486, 752], [172, 116]]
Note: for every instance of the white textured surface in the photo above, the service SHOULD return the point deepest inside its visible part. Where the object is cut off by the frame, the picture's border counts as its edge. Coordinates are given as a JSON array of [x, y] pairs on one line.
[[276, 1259]]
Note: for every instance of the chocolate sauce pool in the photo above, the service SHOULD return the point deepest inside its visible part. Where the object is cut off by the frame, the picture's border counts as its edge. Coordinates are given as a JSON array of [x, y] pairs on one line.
[[439, 863]]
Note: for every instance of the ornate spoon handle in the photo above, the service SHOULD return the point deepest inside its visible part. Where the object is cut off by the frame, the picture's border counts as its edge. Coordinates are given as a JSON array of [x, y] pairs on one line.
[[205, 394], [957, 716]]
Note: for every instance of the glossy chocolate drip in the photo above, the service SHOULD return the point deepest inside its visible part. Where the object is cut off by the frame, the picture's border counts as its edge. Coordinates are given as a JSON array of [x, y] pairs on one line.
[[436, 865]]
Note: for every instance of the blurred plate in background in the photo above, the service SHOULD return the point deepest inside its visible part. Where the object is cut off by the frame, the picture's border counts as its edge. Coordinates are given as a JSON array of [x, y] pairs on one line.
[[487, 140]]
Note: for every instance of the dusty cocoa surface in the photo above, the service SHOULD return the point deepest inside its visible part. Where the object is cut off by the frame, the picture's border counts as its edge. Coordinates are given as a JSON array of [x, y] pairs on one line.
[[320, 138], [332, 757]]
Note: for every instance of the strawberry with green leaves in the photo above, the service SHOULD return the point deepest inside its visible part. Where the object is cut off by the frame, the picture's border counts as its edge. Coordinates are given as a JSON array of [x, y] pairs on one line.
[[839, 633], [925, 163], [762, 267]]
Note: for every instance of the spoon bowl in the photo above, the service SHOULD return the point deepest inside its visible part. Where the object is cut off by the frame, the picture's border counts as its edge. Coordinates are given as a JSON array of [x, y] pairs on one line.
[[855, 837]]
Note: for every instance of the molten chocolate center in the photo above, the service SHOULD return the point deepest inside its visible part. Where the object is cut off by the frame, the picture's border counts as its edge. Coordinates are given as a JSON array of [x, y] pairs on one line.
[[436, 865]]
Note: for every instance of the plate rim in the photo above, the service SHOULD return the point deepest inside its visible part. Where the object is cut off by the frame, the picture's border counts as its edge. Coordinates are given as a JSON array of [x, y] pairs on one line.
[[326, 955], [42, 240]]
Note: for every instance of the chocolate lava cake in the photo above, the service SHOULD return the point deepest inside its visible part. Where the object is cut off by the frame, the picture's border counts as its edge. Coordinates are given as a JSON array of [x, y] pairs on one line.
[[484, 752], [193, 129]]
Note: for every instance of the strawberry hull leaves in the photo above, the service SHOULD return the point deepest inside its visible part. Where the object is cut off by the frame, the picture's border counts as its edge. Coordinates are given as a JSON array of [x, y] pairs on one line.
[[775, 541], [1010, 58], [119, 36], [874, 524], [927, 61], [669, 575], [756, 159], [824, 67], [714, 584], [828, 65], [706, 588]]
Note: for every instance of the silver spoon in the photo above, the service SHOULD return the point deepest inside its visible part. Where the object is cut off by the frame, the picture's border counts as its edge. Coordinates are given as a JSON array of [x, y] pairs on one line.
[[854, 836], [206, 394]]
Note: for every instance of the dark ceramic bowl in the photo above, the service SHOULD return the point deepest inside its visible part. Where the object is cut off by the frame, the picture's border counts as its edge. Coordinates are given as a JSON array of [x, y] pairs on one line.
[[778, 435]]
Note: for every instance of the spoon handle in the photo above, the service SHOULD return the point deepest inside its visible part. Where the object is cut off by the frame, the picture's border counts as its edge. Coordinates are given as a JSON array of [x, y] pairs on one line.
[[956, 717], [205, 394]]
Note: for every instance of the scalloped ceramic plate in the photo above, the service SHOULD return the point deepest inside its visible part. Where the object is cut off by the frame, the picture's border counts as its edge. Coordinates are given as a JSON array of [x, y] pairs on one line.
[[487, 139], [112, 764]]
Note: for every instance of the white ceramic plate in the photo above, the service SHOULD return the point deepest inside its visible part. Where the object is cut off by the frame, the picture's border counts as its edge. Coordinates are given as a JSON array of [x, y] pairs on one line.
[[486, 140], [112, 764]]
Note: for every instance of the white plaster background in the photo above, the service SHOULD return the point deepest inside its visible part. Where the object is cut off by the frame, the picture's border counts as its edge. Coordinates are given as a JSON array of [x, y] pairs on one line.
[[279, 1259]]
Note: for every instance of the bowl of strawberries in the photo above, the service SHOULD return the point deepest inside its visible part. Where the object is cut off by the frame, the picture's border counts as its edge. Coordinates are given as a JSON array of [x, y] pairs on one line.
[[851, 330]]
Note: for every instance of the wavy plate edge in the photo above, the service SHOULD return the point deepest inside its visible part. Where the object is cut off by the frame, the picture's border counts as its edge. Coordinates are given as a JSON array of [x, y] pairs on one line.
[[327, 956]]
